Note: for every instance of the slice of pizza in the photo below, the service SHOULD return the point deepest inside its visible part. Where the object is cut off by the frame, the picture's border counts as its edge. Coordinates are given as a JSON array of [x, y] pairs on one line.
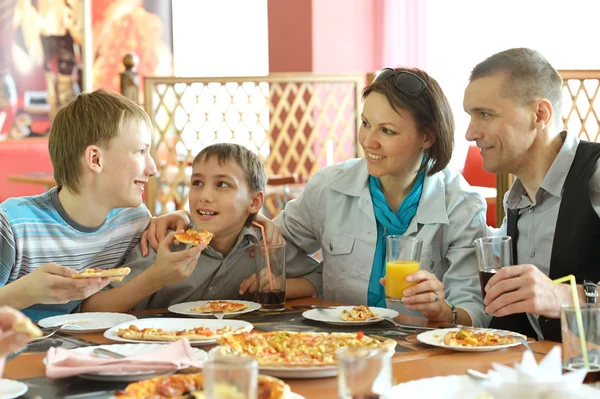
[[219, 306], [357, 313], [26, 326], [471, 338], [116, 274], [194, 237]]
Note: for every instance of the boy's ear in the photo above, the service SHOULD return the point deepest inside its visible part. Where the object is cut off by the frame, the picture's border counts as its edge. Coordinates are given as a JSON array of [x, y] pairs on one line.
[[92, 158], [256, 202]]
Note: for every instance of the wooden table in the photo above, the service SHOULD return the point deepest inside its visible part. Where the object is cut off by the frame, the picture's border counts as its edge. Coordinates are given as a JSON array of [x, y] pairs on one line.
[[422, 362]]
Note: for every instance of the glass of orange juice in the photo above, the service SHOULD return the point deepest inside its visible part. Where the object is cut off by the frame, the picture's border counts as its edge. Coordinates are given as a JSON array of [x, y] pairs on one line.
[[403, 254]]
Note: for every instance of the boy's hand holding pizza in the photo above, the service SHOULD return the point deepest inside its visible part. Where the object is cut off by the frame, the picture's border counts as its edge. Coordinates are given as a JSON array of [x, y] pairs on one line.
[[173, 267], [53, 284]]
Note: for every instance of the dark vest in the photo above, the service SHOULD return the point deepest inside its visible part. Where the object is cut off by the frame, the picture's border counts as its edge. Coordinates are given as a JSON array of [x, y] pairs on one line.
[[575, 249]]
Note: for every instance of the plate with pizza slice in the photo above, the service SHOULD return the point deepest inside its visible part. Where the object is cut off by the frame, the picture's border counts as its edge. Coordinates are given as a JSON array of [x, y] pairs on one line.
[[194, 237], [471, 339], [87, 322], [165, 330], [349, 315], [209, 308]]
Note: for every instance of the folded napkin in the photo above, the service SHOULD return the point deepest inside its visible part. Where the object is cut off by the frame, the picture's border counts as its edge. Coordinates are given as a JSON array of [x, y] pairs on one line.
[[65, 363], [529, 380]]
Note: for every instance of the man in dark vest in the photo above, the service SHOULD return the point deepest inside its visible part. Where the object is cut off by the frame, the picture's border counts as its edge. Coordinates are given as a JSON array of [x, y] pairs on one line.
[[514, 99]]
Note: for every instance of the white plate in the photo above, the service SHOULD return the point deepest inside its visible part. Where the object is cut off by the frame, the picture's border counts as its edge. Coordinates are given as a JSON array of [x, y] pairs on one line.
[[295, 396], [170, 324], [448, 387], [184, 308], [129, 350], [333, 315], [10, 389], [436, 338], [89, 322]]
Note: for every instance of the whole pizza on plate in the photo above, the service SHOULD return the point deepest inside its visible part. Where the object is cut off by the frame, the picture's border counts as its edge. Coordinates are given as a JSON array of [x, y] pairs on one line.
[[191, 386], [296, 349], [158, 334]]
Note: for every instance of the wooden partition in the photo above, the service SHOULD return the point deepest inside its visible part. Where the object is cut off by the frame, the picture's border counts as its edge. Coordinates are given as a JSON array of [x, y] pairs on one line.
[[581, 110], [296, 123]]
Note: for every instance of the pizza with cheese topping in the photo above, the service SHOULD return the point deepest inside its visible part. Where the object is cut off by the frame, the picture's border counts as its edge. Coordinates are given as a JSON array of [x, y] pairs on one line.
[[220, 306], [193, 237], [357, 313], [190, 386], [296, 349], [471, 338], [199, 333], [116, 274]]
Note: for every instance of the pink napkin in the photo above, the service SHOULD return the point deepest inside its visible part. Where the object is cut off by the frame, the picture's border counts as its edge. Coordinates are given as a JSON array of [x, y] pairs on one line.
[[65, 363]]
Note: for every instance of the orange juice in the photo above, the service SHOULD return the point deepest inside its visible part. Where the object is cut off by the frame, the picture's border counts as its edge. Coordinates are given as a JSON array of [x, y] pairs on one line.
[[395, 277]]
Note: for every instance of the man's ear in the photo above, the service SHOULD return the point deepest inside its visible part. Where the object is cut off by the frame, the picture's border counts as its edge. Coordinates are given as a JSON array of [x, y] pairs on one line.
[[92, 158], [543, 113], [256, 202]]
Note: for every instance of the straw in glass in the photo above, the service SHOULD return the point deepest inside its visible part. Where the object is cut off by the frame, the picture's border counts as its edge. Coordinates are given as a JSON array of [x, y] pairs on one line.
[[264, 241], [571, 279]]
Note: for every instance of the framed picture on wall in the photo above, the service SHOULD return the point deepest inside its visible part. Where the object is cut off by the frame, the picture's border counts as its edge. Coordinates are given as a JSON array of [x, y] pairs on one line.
[[42, 62]]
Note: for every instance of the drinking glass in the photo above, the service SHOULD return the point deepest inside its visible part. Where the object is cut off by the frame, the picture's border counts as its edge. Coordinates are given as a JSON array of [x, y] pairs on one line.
[[364, 373], [493, 253], [571, 344], [270, 269], [403, 254], [228, 376]]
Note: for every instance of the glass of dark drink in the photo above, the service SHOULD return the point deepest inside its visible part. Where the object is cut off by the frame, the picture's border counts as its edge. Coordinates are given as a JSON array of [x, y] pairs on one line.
[[364, 373], [493, 253], [572, 350], [270, 269]]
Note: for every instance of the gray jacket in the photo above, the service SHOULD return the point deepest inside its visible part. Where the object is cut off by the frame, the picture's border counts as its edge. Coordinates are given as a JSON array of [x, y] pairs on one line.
[[335, 214]]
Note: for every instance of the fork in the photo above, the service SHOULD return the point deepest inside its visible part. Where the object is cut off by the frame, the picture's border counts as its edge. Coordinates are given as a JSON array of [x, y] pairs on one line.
[[404, 327], [55, 330]]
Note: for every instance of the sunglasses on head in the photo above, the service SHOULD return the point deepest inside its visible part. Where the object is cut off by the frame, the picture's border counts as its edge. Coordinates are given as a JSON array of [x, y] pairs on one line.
[[406, 82]]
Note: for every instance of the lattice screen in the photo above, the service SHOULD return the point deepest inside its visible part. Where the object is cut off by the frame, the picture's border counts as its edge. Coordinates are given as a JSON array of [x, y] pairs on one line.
[[296, 123], [580, 109]]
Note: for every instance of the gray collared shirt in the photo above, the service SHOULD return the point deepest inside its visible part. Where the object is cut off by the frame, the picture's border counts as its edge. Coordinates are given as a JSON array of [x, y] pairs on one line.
[[219, 277], [537, 219]]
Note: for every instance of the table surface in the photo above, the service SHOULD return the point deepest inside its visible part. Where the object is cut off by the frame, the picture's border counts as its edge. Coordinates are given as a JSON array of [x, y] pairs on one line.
[[412, 360]]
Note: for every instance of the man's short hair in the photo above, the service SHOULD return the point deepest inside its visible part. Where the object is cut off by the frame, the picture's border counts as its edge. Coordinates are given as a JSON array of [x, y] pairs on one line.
[[91, 119], [529, 75], [251, 165]]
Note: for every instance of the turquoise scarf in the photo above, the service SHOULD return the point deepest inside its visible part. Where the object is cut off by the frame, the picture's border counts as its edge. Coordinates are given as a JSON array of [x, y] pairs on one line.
[[389, 223]]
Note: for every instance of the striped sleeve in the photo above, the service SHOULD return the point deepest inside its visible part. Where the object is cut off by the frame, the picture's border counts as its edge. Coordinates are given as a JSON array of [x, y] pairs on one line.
[[7, 248]]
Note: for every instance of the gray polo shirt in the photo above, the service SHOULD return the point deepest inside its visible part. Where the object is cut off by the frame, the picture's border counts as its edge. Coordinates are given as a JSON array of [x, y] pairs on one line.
[[537, 220], [219, 277]]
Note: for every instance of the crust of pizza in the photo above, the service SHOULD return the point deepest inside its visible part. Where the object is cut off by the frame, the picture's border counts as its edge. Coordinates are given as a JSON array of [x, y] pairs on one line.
[[219, 306], [26, 326], [191, 386], [470, 338], [357, 313], [199, 333], [194, 237], [116, 274], [296, 349]]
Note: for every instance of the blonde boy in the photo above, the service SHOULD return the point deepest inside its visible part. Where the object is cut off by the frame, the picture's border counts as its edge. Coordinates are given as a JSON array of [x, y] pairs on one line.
[[227, 191], [99, 147]]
